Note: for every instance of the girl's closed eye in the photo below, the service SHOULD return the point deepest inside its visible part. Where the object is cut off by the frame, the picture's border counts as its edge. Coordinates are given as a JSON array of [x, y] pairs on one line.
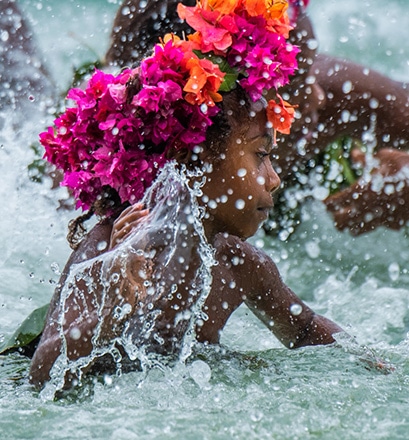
[[263, 154]]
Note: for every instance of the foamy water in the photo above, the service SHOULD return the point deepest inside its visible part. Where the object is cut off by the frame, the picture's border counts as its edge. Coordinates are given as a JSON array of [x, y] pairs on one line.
[[251, 387]]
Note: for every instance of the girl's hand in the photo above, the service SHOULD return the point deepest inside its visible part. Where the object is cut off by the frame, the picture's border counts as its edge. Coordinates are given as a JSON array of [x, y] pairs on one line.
[[126, 222], [379, 199]]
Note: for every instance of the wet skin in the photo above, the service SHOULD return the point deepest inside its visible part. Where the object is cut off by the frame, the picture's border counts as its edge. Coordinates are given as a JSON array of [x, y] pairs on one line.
[[335, 98], [254, 279], [238, 189]]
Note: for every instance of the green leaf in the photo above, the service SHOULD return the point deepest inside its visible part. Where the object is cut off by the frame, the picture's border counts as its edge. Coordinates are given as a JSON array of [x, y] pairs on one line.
[[29, 329], [229, 82], [230, 79]]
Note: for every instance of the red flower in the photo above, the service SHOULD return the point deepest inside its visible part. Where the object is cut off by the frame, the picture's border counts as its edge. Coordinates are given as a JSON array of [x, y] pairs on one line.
[[281, 115]]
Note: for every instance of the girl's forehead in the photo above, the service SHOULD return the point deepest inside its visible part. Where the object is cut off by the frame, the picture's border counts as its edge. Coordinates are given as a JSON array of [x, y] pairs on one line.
[[246, 133]]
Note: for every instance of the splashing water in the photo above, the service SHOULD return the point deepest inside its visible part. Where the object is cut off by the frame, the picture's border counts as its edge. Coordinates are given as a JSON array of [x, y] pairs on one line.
[[249, 387], [166, 255]]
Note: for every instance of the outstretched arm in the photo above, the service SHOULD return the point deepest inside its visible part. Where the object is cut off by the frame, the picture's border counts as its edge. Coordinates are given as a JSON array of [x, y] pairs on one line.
[[358, 100], [290, 319], [247, 274]]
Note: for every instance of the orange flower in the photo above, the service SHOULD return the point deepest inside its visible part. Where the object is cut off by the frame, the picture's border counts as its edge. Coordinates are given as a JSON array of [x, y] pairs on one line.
[[281, 115], [213, 29], [224, 7], [203, 83], [269, 9]]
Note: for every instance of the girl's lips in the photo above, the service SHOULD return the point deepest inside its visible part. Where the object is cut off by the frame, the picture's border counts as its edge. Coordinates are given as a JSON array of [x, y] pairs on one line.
[[265, 210]]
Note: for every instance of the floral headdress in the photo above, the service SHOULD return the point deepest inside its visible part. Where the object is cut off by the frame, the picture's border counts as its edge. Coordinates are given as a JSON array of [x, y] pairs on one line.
[[122, 126]]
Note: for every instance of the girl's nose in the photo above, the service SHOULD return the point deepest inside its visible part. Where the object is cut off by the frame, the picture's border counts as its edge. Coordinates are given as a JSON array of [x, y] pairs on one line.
[[273, 182]]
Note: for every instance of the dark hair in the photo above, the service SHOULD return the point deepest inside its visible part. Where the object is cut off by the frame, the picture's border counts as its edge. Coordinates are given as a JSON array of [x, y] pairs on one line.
[[137, 27]]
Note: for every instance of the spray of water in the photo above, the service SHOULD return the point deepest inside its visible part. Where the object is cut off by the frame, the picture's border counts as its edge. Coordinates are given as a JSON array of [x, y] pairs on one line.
[[164, 263]]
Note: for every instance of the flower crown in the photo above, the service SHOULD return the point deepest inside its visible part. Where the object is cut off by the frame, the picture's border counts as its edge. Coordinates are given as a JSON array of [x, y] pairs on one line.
[[122, 126]]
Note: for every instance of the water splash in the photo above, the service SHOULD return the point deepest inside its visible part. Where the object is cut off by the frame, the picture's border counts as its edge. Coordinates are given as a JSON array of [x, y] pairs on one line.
[[164, 264]]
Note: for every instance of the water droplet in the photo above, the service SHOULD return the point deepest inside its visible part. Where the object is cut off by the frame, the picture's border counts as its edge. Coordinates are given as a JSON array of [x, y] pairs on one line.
[[102, 245], [261, 180], [55, 268], [394, 271], [107, 379], [4, 36], [296, 309], [75, 333], [374, 103], [347, 87], [312, 248], [240, 204]]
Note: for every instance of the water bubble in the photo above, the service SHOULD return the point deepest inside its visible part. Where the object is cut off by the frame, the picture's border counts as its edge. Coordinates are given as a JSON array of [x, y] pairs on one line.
[[241, 172]]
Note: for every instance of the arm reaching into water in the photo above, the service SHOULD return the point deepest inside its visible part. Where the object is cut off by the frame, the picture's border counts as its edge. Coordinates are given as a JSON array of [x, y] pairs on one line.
[[246, 274]]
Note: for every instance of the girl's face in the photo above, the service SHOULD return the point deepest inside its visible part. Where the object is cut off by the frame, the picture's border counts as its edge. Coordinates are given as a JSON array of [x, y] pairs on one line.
[[239, 186]]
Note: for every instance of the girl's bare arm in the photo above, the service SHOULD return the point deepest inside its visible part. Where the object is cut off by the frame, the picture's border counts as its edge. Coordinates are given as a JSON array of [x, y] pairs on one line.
[[275, 304]]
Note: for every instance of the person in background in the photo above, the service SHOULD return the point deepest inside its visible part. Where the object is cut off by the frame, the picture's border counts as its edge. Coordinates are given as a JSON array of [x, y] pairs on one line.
[[25, 82]]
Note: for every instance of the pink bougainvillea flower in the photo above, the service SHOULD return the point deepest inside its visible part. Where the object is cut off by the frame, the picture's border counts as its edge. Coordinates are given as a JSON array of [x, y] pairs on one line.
[[214, 32]]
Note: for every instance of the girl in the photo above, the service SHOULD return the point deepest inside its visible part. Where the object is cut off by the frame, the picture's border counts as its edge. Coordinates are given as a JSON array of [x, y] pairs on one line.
[[174, 156]]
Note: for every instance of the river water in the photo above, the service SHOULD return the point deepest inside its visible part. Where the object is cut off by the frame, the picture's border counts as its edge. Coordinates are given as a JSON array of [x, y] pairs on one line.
[[250, 387]]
